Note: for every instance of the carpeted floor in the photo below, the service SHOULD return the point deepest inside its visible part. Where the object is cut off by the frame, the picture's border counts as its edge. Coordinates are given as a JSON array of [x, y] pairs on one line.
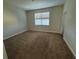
[[37, 45]]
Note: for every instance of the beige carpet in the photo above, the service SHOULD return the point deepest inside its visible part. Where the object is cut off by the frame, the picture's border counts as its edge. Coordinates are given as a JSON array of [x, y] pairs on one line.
[[37, 45]]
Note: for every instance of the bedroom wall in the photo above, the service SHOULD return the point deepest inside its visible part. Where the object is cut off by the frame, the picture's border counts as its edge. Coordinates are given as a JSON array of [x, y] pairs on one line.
[[70, 25], [14, 20], [55, 19]]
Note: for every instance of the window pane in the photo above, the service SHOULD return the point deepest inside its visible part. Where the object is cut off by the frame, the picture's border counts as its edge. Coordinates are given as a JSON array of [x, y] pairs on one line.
[[45, 22], [45, 15], [42, 18], [38, 22]]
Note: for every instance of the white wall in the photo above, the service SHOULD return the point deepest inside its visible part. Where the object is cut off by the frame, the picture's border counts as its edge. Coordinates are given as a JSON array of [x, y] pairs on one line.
[[70, 24], [54, 19], [14, 20]]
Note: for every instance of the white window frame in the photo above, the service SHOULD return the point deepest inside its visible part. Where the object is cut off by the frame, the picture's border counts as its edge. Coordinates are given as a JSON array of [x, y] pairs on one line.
[[42, 24]]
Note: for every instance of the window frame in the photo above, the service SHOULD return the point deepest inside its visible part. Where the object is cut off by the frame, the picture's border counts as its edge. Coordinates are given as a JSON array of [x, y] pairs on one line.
[[41, 19]]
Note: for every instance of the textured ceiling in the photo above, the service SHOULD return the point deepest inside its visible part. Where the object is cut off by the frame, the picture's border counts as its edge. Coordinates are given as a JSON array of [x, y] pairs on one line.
[[36, 4]]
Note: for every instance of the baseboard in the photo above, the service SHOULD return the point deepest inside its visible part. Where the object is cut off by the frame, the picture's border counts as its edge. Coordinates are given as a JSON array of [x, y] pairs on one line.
[[69, 46], [46, 31], [14, 34]]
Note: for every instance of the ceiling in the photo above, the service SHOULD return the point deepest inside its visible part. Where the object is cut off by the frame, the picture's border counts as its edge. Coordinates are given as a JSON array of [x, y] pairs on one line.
[[36, 4]]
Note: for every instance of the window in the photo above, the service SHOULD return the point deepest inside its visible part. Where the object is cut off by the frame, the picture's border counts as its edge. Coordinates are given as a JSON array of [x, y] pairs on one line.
[[42, 18]]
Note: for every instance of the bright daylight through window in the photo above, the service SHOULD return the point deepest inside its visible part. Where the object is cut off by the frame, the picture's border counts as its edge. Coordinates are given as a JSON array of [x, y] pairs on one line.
[[42, 18]]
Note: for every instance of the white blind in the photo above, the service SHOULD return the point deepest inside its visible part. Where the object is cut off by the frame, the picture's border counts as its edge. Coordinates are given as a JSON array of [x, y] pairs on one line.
[[42, 18]]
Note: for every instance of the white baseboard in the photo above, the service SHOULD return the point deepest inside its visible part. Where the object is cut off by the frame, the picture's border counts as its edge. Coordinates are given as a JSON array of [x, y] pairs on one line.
[[69, 46], [46, 31], [14, 34]]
